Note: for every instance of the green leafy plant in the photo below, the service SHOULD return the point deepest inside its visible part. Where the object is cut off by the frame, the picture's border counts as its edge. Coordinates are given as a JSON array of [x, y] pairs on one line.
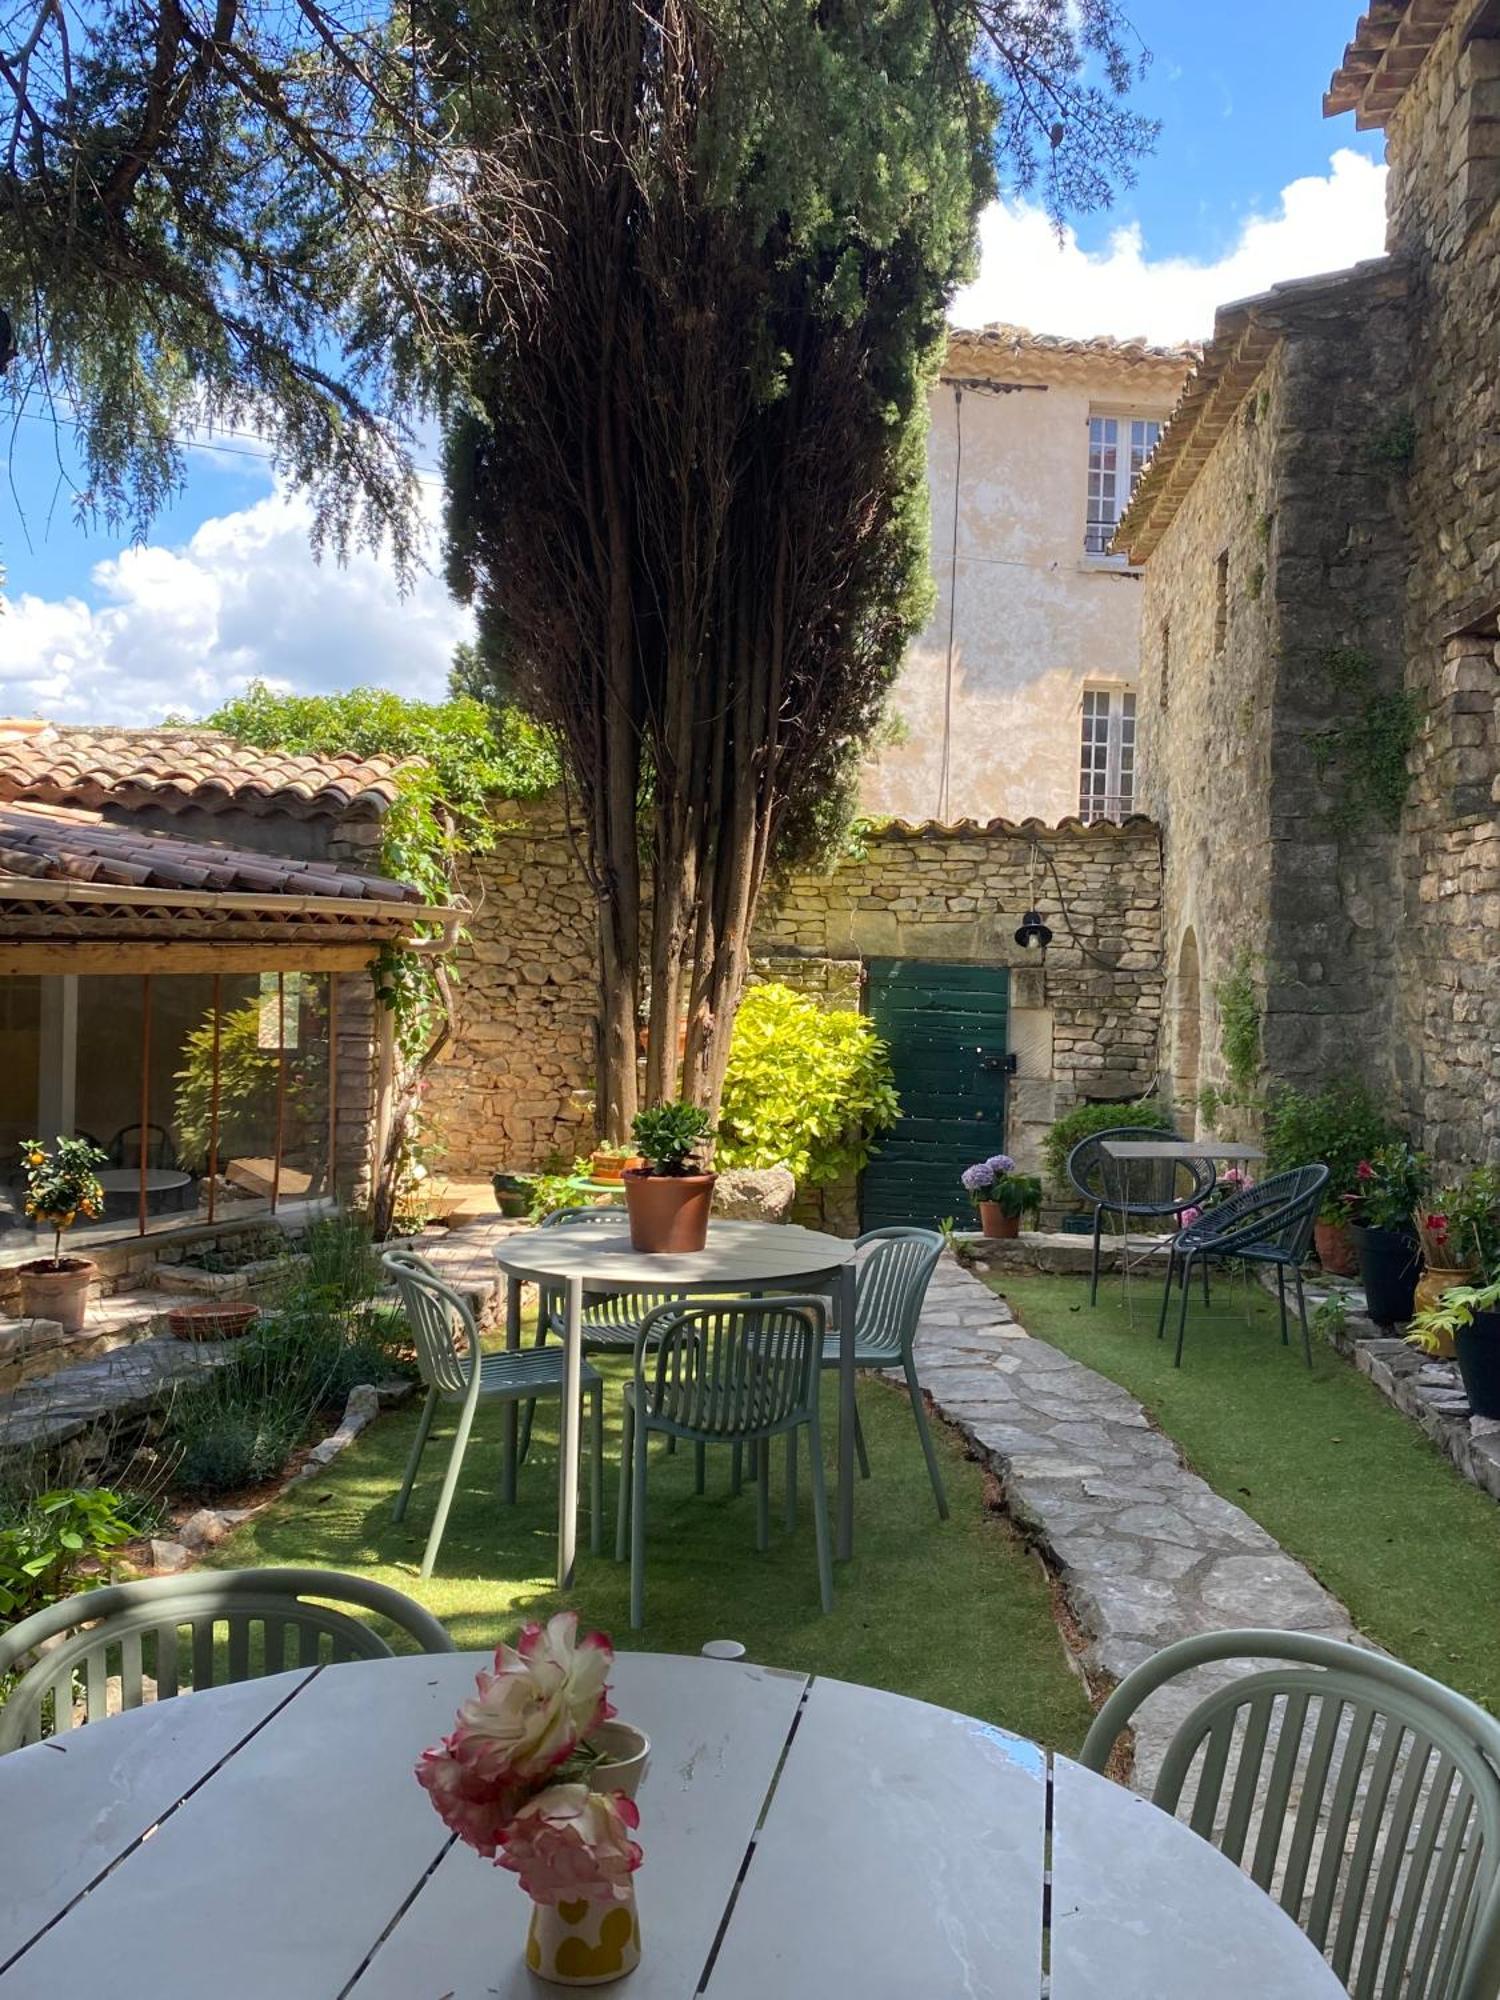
[[45, 1538], [1367, 754], [1394, 445], [1085, 1119], [559, 1189], [808, 1087], [1331, 1317], [1459, 1226], [1388, 1187], [1239, 1027], [669, 1134], [61, 1185], [996, 1180], [1336, 1127], [1434, 1326]]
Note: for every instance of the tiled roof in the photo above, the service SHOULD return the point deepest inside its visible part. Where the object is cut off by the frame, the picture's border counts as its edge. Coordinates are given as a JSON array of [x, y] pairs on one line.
[[1390, 45], [1245, 335], [1023, 829], [1002, 351], [177, 768], [63, 844]]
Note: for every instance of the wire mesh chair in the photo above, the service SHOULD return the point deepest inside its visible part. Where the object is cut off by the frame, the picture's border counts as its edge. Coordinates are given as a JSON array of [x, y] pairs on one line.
[[1270, 1223], [118, 1647], [1361, 1795], [725, 1371], [456, 1370], [890, 1284], [1169, 1186]]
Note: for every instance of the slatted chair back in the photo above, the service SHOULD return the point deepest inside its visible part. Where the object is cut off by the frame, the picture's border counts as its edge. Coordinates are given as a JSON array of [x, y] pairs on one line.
[[890, 1284], [724, 1369], [1276, 1216], [1363, 1796], [441, 1321], [1153, 1187], [118, 1647]]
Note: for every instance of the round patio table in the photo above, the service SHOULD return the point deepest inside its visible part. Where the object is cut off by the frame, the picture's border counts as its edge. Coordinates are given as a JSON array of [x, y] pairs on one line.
[[804, 1840], [738, 1257]]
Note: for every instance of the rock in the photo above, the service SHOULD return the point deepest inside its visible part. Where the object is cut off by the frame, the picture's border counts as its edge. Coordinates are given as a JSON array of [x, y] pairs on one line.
[[754, 1194], [362, 1408], [167, 1556], [210, 1525]]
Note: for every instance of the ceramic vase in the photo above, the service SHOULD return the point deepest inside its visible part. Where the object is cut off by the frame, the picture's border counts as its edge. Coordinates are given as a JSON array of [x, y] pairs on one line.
[[584, 1943]]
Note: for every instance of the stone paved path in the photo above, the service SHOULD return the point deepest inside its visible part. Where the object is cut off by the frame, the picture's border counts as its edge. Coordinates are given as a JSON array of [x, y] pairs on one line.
[[122, 1384], [1146, 1551]]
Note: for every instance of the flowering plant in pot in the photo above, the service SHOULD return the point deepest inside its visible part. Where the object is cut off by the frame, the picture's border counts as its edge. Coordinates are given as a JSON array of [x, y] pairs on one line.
[[1001, 1195], [612, 1163], [668, 1199], [538, 1777], [61, 1188], [1468, 1316], [1459, 1230], [1336, 1127], [1382, 1207]]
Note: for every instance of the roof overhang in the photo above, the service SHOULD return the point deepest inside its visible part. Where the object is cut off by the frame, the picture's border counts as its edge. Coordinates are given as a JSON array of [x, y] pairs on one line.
[[1389, 46]]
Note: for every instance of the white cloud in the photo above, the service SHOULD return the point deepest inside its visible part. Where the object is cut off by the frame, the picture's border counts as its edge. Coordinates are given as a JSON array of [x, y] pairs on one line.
[[180, 628], [1028, 277]]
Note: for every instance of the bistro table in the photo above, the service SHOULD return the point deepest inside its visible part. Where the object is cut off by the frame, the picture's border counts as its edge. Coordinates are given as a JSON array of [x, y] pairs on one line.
[[738, 1257], [1126, 1152], [804, 1840]]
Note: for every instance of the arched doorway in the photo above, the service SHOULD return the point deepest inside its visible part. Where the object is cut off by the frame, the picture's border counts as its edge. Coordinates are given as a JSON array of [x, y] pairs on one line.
[[1187, 1035]]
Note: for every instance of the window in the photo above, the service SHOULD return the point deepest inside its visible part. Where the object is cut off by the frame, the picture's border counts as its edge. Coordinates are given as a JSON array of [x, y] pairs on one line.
[[1106, 769], [1164, 664], [1118, 450], [1221, 600]]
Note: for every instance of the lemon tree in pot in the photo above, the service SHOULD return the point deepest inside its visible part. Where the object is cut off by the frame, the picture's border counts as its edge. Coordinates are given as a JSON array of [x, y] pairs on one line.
[[668, 1199], [1469, 1316], [61, 1188]]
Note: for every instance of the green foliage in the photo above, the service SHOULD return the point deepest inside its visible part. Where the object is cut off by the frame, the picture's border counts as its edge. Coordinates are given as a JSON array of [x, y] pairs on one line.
[[1210, 1105], [1394, 446], [808, 1087], [1239, 1029], [61, 1185], [1366, 752], [1434, 1326], [1263, 529], [551, 1191], [247, 1087], [669, 1134], [1084, 1119], [1014, 1194], [1331, 1316], [46, 1538], [1388, 1187], [1336, 1127], [1255, 582], [1460, 1224]]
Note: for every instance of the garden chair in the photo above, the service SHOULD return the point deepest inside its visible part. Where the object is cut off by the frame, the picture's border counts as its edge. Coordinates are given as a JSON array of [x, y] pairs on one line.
[[725, 1371], [890, 1284], [1362, 1796], [201, 1630], [1157, 1190], [458, 1371], [1270, 1223]]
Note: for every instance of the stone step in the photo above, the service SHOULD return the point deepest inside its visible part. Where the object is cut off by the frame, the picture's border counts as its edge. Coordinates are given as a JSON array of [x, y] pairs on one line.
[[124, 1383]]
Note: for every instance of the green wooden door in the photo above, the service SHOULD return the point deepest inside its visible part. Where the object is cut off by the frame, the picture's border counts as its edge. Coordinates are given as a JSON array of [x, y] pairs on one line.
[[946, 1028]]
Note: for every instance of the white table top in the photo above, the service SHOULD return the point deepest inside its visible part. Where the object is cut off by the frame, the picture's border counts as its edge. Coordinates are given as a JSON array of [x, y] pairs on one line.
[[888, 1849], [737, 1253], [1180, 1149]]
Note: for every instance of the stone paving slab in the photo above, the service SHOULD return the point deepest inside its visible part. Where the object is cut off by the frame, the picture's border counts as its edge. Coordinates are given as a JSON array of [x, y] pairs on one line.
[[1145, 1550], [121, 1384]]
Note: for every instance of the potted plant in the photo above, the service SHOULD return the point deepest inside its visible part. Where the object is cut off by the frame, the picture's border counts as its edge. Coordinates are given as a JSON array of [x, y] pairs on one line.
[[668, 1198], [1459, 1230], [1336, 1127], [61, 1188], [1469, 1316], [610, 1164], [1382, 1207], [1001, 1195], [512, 1192]]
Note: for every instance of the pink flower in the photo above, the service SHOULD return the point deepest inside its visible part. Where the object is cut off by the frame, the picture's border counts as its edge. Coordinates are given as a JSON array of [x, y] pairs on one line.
[[1364, 1171], [545, 1695], [569, 1842], [1189, 1215], [469, 1802]]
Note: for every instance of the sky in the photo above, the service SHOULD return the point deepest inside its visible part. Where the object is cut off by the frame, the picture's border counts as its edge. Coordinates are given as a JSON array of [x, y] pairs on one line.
[[1248, 185]]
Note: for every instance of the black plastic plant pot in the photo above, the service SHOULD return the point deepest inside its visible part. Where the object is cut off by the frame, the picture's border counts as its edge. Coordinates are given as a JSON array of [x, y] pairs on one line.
[[1390, 1262], [1478, 1351]]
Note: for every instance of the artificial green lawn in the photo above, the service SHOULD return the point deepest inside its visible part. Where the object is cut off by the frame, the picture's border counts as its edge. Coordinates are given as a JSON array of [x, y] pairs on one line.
[[954, 1612], [1322, 1461]]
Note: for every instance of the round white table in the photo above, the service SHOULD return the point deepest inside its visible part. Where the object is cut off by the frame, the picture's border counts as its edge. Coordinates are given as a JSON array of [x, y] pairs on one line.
[[803, 1841], [738, 1257]]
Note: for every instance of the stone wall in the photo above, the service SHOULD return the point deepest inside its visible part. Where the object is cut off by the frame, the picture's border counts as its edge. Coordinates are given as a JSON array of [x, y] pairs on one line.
[[515, 1089], [1444, 148]]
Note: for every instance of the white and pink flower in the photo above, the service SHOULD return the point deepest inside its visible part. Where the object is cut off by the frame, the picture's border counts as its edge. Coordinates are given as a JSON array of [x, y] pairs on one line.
[[569, 1843], [544, 1696]]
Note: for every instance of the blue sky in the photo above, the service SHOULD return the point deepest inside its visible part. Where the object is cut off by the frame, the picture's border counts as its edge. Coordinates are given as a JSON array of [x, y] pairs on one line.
[[1249, 184]]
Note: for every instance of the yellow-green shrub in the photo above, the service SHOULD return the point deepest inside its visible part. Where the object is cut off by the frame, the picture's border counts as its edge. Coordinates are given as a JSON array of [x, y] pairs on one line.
[[807, 1087]]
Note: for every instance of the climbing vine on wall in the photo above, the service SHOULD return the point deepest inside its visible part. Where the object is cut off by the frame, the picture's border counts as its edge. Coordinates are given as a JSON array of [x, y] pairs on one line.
[[1239, 1028], [1366, 752]]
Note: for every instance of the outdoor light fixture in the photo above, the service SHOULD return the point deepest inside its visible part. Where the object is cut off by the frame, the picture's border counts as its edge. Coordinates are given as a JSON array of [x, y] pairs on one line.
[[1033, 931]]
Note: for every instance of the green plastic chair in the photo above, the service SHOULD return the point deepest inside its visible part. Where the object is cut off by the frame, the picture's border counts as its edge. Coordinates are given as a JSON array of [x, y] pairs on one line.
[[1360, 1794], [890, 1284], [201, 1630], [458, 1371], [725, 1371]]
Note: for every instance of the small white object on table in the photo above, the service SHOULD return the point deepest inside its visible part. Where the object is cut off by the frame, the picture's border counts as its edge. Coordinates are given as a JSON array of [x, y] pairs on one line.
[[803, 1839], [738, 1257]]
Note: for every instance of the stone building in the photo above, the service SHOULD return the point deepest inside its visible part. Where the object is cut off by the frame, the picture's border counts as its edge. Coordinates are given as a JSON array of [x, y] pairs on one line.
[[1320, 527], [1017, 699]]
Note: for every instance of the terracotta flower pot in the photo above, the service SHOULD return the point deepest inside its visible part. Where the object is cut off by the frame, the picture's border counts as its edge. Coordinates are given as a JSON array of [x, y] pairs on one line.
[[994, 1221], [211, 1321], [668, 1212], [1336, 1251], [613, 1166], [58, 1290], [583, 1943]]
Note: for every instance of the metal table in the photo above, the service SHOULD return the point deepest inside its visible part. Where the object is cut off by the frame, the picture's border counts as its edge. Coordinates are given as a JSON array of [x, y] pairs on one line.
[[1125, 1152], [803, 1839], [738, 1257]]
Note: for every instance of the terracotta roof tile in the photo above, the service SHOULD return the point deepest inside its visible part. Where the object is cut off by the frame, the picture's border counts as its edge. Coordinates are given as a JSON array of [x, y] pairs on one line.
[[63, 844], [1390, 44], [1004, 350], [177, 768]]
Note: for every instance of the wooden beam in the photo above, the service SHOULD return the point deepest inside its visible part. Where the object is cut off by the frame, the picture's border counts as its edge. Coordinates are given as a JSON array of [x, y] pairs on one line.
[[143, 955]]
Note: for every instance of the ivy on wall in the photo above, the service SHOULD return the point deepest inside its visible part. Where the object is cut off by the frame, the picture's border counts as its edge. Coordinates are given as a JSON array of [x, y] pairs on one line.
[[1366, 752]]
